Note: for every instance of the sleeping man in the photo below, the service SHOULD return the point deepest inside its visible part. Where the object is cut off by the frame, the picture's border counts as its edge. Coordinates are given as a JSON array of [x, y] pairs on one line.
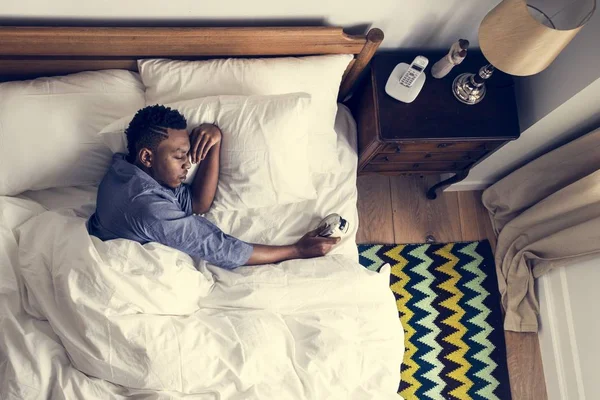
[[143, 196]]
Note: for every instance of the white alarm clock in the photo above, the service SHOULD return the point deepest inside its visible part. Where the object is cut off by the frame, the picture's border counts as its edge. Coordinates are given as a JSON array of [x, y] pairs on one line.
[[333, 225]]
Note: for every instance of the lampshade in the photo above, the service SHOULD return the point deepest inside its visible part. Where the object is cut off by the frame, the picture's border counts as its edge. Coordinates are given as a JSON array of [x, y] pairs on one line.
[[522, 38]]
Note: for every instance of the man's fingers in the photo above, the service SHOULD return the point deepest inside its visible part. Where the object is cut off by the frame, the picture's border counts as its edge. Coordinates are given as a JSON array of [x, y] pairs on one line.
[[201, 147], [195, 143], [207, 148], [329, 240], [314, 232]]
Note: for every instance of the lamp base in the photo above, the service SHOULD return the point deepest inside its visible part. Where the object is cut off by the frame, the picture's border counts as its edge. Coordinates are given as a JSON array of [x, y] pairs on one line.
[[469, 88], [465, 91]]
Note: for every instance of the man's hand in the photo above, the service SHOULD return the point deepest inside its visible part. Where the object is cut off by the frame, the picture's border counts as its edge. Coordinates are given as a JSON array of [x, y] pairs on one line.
[[202, 139], [311, 245]]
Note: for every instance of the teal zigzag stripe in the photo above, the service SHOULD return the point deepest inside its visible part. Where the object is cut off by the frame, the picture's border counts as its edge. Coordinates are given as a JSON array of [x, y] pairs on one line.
[[426, 304], [371, 254], [480, 320]]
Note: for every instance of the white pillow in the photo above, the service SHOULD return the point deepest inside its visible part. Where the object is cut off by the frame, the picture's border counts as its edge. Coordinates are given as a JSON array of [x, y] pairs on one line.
[[264, 150], [167, 81], [49, 128]]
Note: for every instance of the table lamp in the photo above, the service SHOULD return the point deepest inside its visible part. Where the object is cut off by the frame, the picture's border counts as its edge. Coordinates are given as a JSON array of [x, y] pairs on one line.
[[523, 37]]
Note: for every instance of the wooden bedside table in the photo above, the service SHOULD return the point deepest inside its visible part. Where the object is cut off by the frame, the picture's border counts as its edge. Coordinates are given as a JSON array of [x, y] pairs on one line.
[[436, 133]]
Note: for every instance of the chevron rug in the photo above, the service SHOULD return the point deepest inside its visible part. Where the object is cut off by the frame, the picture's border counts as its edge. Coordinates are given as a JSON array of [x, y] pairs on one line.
[[449, 305]]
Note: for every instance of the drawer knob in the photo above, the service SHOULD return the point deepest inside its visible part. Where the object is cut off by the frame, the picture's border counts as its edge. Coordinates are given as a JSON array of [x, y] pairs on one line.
[[443, 145], [428, 155], [386, 158], [398, 149], [415, 165]]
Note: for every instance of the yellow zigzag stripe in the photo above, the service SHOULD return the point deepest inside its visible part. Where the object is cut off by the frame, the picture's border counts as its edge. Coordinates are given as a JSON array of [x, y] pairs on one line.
[[459, 374], [405, 296]]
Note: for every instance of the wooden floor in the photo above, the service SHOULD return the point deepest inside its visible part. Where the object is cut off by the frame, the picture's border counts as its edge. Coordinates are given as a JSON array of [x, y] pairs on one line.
[[395, 210]]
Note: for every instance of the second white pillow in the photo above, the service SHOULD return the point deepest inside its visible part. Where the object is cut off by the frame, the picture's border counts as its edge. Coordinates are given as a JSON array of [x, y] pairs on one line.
[[264, 151], [167, 81]]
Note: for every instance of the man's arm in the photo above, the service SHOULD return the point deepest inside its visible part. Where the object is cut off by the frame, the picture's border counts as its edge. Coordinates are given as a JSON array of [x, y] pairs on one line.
[[205, 149], [165, 222], [309, 246]]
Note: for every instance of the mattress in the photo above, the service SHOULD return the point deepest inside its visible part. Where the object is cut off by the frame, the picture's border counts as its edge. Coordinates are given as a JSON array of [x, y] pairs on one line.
[[279, 225]]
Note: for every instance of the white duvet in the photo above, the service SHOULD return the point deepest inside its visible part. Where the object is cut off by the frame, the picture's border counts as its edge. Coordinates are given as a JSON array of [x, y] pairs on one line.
[[141, 319], [85, 319]]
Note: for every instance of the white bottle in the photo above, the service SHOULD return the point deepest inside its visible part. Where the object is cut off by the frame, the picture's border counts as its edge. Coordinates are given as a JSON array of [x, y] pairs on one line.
[[455, 56]]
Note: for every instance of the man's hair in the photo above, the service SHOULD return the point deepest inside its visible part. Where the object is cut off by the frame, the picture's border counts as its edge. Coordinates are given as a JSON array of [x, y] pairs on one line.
[[149, 127]]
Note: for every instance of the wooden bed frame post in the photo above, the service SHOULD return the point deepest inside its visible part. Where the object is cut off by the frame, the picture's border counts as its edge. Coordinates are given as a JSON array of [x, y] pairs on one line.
[[374, 39]]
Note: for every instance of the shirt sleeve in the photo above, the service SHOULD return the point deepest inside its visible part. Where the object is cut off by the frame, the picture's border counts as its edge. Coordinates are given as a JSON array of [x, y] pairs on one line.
[[165, 223], [184, 197]]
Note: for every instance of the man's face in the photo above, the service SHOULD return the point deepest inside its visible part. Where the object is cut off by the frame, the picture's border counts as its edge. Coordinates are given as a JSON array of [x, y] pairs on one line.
[[171, 163]]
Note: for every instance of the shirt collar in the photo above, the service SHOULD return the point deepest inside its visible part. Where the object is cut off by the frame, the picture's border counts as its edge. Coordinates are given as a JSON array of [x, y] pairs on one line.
[[128, 171]]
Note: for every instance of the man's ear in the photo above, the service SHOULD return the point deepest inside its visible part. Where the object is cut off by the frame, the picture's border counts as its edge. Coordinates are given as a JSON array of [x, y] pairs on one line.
[[145, 157]]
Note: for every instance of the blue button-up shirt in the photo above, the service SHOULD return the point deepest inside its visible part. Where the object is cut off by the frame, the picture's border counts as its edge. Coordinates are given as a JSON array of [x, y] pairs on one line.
[[133, 205]]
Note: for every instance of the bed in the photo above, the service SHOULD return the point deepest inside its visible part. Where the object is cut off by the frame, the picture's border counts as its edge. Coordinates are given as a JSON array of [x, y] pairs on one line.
[[171, 327]]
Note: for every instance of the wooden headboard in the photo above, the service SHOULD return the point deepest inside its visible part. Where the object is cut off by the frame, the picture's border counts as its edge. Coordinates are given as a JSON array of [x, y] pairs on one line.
[[27, 52]]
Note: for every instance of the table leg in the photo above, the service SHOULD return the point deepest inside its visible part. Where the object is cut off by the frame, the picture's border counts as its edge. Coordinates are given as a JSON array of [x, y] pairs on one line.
[[431, 195]]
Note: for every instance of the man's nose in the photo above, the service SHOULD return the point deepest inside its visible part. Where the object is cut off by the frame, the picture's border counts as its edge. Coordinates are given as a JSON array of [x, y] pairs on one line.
[[188, 164]]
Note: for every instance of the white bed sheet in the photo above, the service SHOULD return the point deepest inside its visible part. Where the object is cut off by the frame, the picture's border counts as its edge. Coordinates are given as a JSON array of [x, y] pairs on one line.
[[336, 193], [279, 225], [149, 325], [33, 362], [337, 320]]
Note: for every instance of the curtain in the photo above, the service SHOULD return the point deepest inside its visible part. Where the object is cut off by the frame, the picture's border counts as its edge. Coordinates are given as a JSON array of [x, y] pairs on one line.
[[546, 215]]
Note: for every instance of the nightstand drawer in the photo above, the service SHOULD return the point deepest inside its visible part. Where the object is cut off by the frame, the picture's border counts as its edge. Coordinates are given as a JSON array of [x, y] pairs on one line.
[[435, 166], [440, 146], [414, 156]]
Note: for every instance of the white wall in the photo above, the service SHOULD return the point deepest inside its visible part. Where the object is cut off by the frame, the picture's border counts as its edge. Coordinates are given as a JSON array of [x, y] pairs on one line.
[[429, 23], [576, 67], [554, 106], [569, 330]]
